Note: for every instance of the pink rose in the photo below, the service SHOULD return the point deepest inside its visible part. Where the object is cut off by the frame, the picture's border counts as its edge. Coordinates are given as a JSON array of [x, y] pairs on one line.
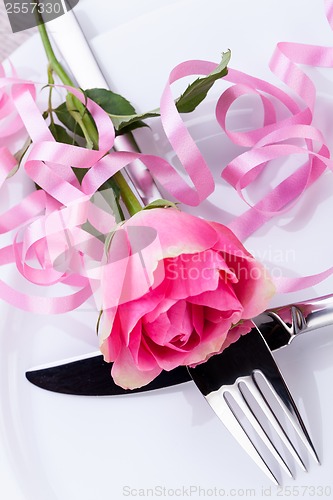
[[176, 303]]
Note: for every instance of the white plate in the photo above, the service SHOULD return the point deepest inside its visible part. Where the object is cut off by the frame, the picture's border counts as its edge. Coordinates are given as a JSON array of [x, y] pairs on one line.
[[58, 447]]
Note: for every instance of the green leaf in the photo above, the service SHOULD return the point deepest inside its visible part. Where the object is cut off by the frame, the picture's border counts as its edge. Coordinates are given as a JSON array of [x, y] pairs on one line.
[[127, 129], [113, 104], [60, 134], [194, 94], [66, 119], [198, 90], [160, 203], [119, 109], [122, 113], [122, 121]]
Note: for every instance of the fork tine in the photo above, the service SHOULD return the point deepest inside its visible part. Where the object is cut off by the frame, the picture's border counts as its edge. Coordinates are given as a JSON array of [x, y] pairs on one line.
[[241, 401], [223, 374], [291, 411], [279, 389], [224, 411], [258, 395]]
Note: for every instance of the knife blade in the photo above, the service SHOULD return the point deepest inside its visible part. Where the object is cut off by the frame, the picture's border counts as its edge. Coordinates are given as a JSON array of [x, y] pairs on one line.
[[90, 375]]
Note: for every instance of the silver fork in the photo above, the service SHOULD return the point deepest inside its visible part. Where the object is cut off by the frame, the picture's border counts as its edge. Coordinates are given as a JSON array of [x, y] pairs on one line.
[[245, 387], [215, 382]]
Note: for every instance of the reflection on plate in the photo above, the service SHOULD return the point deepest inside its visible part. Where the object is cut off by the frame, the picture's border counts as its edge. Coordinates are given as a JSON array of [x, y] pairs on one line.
[[58, 447]]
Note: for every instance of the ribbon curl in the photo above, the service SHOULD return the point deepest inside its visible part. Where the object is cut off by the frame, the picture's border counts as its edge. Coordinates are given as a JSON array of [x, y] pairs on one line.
[[52, 245]]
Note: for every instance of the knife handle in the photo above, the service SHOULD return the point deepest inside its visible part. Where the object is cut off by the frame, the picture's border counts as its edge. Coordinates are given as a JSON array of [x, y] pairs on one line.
[[305, 316], [75, 49]]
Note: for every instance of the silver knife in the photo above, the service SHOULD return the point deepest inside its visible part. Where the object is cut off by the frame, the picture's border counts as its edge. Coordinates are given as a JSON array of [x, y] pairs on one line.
[[90, 375]]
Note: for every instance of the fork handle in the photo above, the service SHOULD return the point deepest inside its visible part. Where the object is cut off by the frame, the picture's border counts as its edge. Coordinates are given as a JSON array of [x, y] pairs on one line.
[[305, 316]]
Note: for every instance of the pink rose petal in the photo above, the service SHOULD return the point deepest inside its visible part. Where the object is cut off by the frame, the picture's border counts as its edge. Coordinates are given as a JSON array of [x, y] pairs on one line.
[[198, 283]]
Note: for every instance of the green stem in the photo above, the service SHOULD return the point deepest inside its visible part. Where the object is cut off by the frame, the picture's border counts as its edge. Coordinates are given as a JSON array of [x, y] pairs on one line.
[[51, 83], [78, 112], [54, 63], [131, 202], [88, 126]]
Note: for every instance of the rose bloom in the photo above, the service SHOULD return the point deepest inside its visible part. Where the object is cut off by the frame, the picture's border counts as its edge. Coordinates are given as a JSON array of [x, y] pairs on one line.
[[176, 294]]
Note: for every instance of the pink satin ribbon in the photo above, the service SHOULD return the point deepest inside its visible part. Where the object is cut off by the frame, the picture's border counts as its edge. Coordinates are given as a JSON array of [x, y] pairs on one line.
[[50, 245]]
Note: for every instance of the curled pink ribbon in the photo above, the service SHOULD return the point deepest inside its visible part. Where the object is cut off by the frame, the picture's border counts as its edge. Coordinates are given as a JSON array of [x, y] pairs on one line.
[[51, 245]]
